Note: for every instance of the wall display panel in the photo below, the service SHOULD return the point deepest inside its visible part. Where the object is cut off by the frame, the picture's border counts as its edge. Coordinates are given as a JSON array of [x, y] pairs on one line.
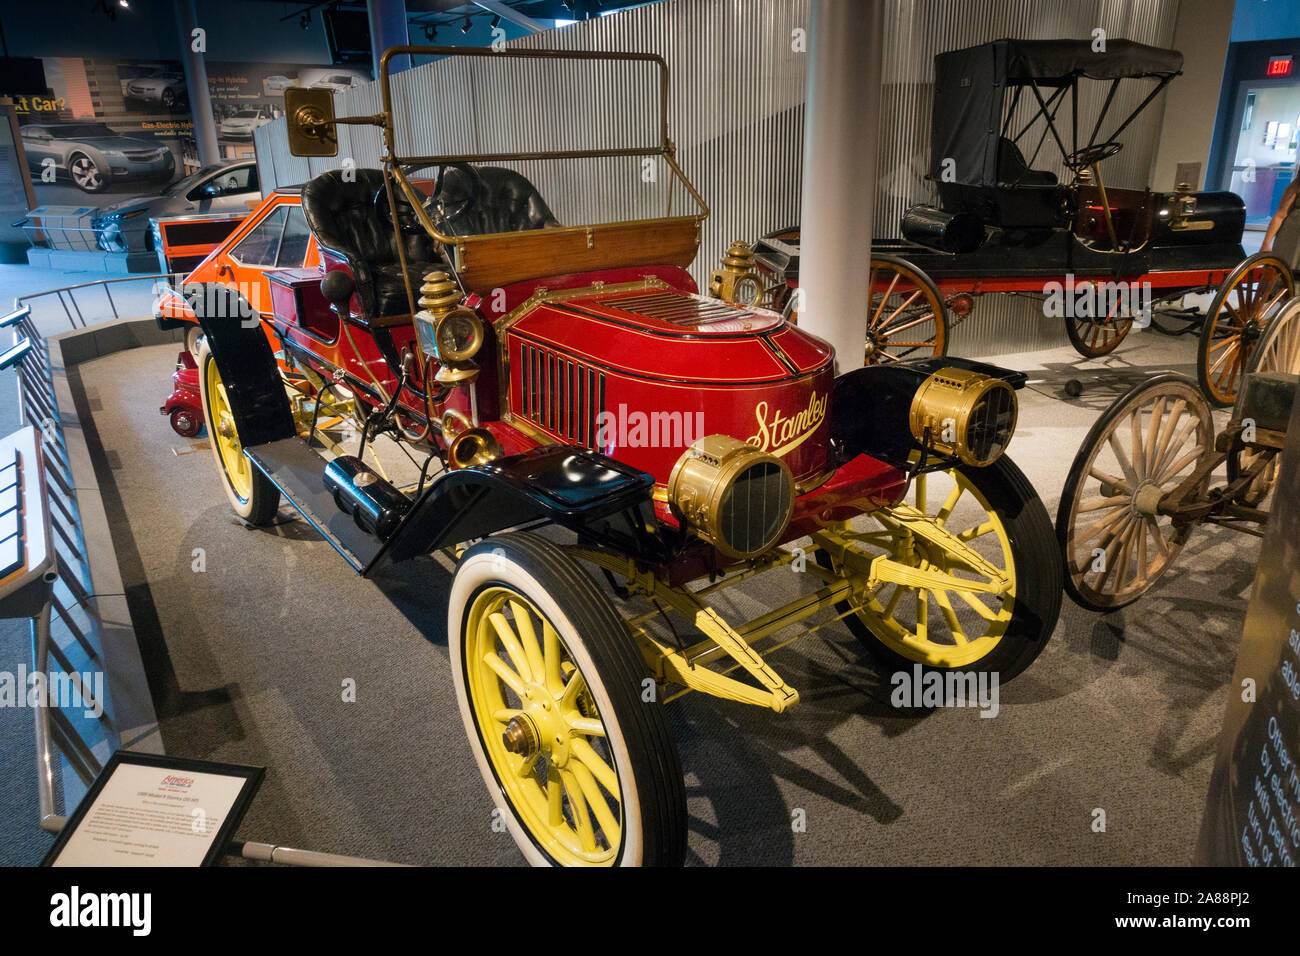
[[107, 130]]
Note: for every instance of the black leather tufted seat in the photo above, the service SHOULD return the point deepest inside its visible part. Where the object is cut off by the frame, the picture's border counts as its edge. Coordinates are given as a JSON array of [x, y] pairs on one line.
[[496, 200], [342, 215]]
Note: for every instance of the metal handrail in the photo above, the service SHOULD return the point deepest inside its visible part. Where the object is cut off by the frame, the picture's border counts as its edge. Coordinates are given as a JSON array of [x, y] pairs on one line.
[[20, 301], [36, 406], [29, 229], [49, 817]]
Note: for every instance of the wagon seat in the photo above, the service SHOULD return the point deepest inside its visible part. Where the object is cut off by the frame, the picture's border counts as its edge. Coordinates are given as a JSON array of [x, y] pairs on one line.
[[1014, 171], [342, 214]]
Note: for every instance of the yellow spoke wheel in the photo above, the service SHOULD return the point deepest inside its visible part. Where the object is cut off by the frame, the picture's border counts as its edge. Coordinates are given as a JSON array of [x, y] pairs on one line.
[[561, 711], [251, 493], [987, 590]]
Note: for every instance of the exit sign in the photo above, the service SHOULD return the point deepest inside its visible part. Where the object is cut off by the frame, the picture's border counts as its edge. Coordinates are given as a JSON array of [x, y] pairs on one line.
[[1279, 66]]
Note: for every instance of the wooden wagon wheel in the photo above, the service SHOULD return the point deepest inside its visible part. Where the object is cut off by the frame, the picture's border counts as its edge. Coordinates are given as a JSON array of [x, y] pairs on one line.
[[907, 318], [1238, 316], [1092, 337], [1114, 540], [1277, 351]]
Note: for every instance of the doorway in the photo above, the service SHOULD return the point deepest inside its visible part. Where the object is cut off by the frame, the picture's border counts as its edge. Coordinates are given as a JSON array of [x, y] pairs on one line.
[[1265, 135]]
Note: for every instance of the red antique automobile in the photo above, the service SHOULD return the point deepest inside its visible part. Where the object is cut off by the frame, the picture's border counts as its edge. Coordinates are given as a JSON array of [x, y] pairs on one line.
[[580, 407]]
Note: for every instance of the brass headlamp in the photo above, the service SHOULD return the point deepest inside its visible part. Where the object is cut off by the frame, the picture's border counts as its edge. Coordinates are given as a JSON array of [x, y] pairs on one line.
[[1183, 207], [449, 332], [735, 497], [964, 414], [737, 281]]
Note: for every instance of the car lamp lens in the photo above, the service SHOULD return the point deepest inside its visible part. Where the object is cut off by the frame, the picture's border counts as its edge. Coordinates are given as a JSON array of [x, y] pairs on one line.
[[458, 335], [748, 291]]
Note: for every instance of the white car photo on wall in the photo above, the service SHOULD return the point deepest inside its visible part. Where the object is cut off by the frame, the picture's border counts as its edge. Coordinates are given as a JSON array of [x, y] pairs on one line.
[[243, 122], [276, 84]]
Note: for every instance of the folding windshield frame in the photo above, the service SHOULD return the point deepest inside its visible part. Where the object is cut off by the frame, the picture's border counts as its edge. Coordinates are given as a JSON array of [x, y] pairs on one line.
[[393, 163]]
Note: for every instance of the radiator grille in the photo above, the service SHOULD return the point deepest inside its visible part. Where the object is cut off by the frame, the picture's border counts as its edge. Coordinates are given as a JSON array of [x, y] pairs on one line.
[[560, 395], [676, 308]]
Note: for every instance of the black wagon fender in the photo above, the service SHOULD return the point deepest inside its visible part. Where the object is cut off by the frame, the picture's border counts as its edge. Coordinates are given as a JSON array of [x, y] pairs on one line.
[[870, 406]]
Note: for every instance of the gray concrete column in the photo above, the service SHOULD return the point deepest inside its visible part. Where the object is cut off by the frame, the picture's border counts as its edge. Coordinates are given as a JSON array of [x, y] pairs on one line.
[[196, 81], [841, 123], [388, 28]]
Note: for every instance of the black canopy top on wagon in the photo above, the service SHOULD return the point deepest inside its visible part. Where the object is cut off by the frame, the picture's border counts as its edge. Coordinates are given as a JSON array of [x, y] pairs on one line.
[[971, 124]]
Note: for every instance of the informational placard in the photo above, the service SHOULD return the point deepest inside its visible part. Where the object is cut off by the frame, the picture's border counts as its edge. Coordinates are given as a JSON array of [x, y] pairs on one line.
[[1252, 814], [151, 810]]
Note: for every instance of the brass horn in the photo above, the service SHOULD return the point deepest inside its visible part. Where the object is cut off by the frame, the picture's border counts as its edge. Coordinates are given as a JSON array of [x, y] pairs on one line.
[[467, 444]]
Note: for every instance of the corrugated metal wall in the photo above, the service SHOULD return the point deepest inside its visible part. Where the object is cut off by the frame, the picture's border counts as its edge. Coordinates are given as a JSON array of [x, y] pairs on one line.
[[735, 113]]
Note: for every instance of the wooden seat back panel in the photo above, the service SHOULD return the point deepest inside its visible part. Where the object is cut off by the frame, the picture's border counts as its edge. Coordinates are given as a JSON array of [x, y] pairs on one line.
[[489, 262]]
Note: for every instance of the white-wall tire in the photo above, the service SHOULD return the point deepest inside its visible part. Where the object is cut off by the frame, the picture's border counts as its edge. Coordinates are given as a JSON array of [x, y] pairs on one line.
[[597, 642]]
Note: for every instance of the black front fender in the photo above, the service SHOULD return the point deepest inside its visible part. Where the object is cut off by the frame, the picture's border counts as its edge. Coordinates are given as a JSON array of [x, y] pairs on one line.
[[566, 485], [870, 405], [247, 365]]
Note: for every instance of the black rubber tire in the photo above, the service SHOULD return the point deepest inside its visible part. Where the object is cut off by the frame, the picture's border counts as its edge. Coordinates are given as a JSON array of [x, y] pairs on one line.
[[649, 756], [101, 184], [1039, 576], [262, 504]]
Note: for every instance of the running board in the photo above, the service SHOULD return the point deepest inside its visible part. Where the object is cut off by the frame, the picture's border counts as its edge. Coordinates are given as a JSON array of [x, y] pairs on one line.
[[572, 487], [299, 474]]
